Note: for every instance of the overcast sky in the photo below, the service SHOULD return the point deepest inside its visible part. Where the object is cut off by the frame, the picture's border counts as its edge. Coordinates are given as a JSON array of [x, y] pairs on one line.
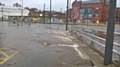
[[56, 4]]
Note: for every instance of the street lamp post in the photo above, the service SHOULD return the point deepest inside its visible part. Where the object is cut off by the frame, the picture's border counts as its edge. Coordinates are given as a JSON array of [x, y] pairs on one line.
[[110, 32], [67, 15]]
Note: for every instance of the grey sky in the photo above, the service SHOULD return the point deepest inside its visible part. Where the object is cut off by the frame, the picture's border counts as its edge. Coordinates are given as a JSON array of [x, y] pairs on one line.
[[56, 4]]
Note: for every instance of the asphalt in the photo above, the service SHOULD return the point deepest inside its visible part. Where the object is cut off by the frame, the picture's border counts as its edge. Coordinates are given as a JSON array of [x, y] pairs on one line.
[[40, 45]]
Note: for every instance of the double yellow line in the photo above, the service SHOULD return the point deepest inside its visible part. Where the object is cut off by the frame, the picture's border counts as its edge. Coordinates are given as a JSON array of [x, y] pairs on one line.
[[6, 56]]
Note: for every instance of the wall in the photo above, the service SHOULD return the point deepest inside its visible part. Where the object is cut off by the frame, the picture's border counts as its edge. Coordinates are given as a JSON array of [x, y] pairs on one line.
[[98, 7]]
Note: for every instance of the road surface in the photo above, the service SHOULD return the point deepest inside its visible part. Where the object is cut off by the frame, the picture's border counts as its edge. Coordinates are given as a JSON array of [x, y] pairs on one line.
[[40, 45]]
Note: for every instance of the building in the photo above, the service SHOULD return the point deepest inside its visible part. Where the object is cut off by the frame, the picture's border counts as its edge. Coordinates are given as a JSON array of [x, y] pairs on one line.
[[91, 10], [118, 15], [6, 11], [54, 14]]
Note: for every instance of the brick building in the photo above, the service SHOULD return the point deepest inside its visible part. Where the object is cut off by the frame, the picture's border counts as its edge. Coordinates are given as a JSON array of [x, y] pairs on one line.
[[92, 10], [118, 15]]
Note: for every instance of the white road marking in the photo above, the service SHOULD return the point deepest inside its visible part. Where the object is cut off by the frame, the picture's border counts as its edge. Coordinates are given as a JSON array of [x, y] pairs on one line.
[[63, 38], [76, 46]]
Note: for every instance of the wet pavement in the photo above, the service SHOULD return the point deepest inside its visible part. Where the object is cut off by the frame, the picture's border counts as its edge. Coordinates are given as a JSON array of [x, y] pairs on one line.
[[40, 45]]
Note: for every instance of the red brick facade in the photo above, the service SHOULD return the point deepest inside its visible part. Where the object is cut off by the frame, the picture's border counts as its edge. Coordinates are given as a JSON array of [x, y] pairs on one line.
[[99, 8]]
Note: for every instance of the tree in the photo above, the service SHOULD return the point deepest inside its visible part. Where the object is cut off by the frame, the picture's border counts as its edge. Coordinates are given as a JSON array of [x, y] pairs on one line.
[[34, 9], [1, 4], [27, 8], [17, 5]]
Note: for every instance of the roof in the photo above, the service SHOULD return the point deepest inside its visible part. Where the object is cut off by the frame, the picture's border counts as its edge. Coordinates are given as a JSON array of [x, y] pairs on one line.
[[10, 7], [91, 1]]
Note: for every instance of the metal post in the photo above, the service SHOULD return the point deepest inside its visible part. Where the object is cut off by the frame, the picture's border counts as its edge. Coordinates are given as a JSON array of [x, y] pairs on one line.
[[50, 10], [70, 10], [103, 2], [110, 32], [87, 15], [67, 15], [22, 7], [2, 14], [44, 13], [61, 10], [22, 11], [119, 61], [80, 9]]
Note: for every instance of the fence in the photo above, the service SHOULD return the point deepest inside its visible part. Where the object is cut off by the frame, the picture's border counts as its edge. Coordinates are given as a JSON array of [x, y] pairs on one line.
[[90, 37]]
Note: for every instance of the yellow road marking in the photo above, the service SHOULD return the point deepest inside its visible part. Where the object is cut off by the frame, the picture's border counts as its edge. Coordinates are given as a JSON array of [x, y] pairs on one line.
[[7, 57], [5, 54]]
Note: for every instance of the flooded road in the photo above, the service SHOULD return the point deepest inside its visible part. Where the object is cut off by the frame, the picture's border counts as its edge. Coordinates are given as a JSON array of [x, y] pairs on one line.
[[39, 45]]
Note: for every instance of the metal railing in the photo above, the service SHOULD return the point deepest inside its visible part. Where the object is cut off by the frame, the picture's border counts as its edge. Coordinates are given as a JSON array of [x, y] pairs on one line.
[[97, 29], [91, 37]]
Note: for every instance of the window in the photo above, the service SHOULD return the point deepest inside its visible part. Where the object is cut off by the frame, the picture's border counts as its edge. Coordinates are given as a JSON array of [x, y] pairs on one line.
[[86, 13]]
